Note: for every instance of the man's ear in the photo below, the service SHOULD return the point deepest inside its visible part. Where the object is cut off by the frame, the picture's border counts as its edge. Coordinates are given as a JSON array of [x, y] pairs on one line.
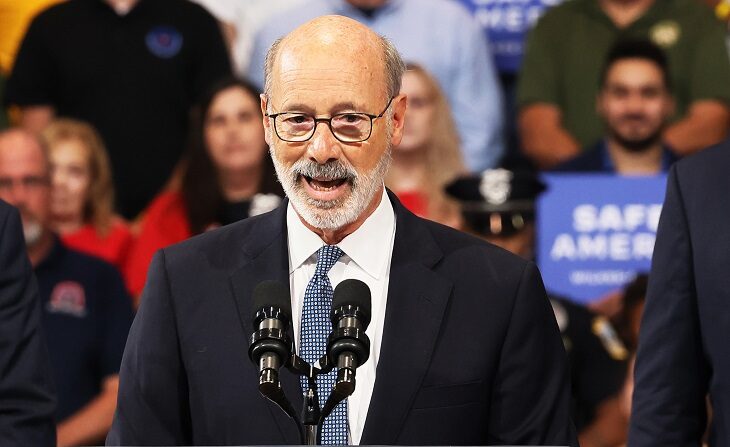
[[266, 121], [398, 119]]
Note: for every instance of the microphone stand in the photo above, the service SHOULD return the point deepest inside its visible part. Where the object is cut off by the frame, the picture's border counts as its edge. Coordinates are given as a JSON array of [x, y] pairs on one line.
[[312, 416], [278, 342]]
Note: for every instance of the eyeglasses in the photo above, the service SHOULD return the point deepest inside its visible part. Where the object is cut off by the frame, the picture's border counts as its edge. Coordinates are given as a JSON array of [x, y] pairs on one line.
[[348, 127], [33, 182]]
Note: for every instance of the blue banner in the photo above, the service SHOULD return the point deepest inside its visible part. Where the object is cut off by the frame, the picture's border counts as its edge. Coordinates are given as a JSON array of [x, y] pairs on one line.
[[596, 231], [506, 24]]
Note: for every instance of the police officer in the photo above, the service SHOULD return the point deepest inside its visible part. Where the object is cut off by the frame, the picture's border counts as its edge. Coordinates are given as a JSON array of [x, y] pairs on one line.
[[498, 205]]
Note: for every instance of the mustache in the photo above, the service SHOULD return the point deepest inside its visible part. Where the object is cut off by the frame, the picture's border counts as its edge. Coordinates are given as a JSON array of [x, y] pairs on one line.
[[634, 117], [331, 170]]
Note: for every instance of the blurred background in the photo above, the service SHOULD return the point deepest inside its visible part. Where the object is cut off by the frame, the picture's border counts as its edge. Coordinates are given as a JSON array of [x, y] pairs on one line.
[[543, 126]]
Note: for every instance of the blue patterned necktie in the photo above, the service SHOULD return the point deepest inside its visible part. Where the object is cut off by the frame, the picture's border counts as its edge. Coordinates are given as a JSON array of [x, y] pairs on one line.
[[316, 326]]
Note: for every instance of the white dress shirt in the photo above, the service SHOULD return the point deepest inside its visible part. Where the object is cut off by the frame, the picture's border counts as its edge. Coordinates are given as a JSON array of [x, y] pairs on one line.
[[367, 255]]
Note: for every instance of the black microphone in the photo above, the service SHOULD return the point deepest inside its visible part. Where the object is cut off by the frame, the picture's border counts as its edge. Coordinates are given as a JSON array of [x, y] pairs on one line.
[[270, 346], [348, 346]]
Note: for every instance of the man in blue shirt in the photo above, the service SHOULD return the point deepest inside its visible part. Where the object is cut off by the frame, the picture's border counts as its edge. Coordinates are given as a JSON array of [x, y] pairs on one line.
[[439, 35], [505, 25], [635, 103], [86, 310]]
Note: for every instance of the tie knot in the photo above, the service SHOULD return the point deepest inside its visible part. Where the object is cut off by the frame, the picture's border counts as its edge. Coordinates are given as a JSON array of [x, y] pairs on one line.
[[327, 256]]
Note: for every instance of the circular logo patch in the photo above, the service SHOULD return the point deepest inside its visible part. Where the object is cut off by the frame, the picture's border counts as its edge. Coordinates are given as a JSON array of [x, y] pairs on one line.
[[665, 33], [68, 297], [164, 41]]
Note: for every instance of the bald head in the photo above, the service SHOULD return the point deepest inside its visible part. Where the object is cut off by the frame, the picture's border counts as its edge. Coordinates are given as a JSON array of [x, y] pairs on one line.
[[19, 141], [335, 42], [24, 183]]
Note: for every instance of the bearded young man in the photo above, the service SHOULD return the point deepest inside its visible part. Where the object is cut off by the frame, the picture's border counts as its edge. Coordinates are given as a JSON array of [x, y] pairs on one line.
[[464, 346], [635, 104]]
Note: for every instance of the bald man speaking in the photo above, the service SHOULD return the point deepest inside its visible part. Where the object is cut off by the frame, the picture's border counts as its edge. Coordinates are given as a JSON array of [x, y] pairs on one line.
[[464, 348]]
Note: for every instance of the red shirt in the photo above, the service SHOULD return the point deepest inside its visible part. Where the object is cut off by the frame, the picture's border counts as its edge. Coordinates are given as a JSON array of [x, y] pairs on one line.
[[415, 201], [113, 248], [164, 223]]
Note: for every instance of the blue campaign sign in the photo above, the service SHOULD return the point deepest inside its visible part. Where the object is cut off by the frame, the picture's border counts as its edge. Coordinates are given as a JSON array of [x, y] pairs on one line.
[[596, 231], [506, 24]]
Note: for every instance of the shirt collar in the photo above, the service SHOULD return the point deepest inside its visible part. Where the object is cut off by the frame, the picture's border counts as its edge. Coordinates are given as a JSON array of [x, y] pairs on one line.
[[650, 16], [376, 231], [133, 10], [55, 255], [342, 7], [606, 161], [667, 157]]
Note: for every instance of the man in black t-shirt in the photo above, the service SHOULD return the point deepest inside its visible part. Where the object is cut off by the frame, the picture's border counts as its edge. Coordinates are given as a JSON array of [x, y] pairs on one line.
[[132, 68], [86, 310]]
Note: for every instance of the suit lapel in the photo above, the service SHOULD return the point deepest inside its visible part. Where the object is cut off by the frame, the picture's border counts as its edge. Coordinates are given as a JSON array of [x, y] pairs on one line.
[[266, 258], [417, 299]]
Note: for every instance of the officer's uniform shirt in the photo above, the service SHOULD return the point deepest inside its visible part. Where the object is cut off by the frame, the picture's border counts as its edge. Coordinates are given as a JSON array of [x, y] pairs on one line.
[[597, 358], [499, 203]]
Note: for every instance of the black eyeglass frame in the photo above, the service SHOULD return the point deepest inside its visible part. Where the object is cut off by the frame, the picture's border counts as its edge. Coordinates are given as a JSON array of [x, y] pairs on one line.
[[329, 123]]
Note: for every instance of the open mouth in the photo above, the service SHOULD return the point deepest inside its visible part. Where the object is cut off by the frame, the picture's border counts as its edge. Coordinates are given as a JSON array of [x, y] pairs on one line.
[[325, 189], [322, 184]]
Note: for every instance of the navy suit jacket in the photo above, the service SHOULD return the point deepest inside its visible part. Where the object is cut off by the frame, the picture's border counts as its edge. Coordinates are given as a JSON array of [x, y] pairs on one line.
[[471, 353], [27, 397], [684, 343]]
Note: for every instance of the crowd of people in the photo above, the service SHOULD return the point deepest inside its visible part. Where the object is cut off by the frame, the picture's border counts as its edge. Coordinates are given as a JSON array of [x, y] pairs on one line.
[[128, 126]]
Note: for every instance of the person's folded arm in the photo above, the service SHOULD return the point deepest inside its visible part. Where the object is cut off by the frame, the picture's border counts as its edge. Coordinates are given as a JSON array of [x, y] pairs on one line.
[[705, 124], [705, 120], [91, 423], [544, 140]]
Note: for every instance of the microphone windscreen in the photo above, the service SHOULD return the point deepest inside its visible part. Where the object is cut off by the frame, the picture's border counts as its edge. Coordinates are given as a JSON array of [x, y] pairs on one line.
[[353, 292], [271, 293]]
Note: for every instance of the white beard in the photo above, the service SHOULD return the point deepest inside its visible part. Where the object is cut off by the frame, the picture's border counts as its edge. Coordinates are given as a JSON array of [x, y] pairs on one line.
[[32, 232], [331, 214]]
